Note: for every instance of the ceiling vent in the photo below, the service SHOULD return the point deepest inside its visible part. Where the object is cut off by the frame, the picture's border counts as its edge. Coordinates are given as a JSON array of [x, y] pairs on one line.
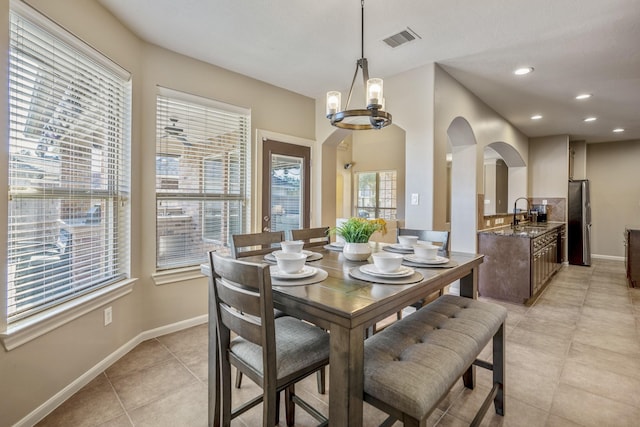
[[404, 36]]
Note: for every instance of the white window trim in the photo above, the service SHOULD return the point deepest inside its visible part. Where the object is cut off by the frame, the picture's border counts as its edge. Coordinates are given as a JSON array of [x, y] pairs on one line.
[[175, 275], [32, 327]]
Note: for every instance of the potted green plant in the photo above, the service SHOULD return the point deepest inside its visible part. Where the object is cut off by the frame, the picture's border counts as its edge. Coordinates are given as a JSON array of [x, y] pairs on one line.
[[356, 233]]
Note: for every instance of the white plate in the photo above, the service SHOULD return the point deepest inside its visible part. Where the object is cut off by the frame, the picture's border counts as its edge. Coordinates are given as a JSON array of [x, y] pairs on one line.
[[438, 260], [337, 244], [400, 247], [307, 271], [304, 251], [372, 270]]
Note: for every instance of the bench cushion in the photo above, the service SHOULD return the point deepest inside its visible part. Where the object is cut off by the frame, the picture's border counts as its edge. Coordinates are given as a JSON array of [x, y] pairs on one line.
[[413, 363]]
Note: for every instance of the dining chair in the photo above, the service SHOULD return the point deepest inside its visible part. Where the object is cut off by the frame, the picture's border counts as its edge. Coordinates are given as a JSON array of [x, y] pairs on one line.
[[312, 237], [245, 245], [275, 353], [436, 237]]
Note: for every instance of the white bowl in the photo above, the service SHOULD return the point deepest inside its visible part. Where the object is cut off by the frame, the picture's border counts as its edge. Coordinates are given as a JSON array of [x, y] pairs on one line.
[[290, 263], [292, 246], [387, 262], [426, 252], [408, 241]]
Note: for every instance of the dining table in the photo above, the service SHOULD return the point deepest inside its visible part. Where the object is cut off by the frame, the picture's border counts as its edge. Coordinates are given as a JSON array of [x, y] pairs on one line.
[[348, 303]]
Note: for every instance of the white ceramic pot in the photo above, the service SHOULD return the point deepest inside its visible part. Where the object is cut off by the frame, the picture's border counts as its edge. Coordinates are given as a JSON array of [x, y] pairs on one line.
[[356, 251]]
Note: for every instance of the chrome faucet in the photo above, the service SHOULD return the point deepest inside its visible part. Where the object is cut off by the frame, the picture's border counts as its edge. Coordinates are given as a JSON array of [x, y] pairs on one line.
[[515, 210]]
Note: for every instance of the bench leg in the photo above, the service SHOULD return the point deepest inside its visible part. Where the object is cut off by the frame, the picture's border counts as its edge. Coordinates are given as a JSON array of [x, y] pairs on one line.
[[498, 369], [469, 377]]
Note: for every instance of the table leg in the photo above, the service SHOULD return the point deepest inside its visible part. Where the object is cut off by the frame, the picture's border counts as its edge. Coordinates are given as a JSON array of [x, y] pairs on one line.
[[469, 289], [346, 385], [469, 285]]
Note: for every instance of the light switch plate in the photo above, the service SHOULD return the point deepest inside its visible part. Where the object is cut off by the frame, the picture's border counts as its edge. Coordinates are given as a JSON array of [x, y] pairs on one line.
[[415, 199]]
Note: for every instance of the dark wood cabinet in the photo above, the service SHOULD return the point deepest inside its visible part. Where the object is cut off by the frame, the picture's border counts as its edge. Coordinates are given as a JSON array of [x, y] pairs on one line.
[[519, 263], [632, 256]]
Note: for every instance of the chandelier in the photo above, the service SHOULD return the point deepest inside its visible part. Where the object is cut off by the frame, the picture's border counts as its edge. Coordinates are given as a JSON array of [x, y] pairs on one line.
[[371, 117]]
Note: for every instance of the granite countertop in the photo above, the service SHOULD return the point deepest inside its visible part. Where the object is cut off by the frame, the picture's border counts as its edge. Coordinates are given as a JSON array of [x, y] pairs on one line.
[[527, 229]]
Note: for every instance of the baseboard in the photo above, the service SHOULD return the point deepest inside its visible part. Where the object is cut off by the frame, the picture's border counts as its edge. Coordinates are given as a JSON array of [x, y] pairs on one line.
[[47, 407], [609, 257]]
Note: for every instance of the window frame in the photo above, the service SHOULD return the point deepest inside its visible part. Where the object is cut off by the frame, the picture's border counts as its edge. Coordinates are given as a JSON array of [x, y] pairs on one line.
[[15, 329], [377, 208], [206, 195]]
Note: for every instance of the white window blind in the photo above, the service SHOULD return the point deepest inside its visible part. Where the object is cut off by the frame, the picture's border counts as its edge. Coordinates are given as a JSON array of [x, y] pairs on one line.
[[202, 177], [68, 215]]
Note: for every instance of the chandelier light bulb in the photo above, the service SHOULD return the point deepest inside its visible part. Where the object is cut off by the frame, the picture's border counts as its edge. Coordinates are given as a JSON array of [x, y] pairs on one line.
[[333, 102], [374, 92]]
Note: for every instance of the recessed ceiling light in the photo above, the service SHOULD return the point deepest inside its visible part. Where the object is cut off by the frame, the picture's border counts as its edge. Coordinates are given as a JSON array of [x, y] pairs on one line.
[[618, 130], [523, 71], [536, 117], [584, 96], [590, 119]]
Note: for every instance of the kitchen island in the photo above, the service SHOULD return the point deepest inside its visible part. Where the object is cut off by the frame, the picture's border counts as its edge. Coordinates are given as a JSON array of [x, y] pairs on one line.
[[519, 261]]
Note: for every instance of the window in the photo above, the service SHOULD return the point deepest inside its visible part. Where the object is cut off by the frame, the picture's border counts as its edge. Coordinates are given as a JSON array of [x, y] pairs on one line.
[[376, 195], [68, 217], [202, 178]]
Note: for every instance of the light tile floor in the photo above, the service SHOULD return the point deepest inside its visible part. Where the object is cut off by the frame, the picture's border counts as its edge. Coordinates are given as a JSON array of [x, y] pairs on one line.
[[573, 359]]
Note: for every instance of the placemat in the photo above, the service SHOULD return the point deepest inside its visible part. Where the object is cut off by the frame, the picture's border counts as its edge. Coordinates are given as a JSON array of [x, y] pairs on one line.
[[414, 278], [318, 277], [333, 248], [315, 256], [397, 250], [449, 264]]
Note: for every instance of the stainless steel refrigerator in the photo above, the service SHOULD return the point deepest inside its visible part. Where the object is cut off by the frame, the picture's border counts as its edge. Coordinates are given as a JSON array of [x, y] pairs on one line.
[[579, 223]]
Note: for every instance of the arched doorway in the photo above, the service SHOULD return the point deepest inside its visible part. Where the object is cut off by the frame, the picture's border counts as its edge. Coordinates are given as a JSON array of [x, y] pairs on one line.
[[352, 157]]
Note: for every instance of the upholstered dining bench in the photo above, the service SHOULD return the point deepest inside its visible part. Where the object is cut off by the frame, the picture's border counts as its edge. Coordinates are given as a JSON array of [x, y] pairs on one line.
[[410, 366]]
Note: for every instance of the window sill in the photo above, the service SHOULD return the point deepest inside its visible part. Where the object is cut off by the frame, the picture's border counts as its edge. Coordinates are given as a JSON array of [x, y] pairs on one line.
[[177, 275], [25, 330]]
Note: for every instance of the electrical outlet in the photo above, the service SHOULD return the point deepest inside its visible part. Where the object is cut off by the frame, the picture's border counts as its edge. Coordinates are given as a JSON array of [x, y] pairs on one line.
[[544, 202], [108, 315]]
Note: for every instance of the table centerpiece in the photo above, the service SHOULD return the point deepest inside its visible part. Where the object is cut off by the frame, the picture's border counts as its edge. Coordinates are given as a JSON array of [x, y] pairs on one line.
[[356, 233]]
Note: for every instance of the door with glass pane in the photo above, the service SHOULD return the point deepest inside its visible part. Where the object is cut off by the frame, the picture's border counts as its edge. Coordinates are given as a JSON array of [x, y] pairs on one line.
[[285, 186]]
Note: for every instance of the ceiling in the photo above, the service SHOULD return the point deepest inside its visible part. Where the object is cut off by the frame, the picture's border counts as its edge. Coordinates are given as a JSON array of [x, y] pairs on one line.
[[309, 47]]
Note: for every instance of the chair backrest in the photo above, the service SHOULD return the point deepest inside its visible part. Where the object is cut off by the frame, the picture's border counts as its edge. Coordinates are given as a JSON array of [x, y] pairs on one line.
[[244, 245], [312, 237], [243, 304], [439, 238]]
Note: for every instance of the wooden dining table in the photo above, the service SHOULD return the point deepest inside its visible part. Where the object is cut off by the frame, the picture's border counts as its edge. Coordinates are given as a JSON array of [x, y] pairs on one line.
[[347, 307]]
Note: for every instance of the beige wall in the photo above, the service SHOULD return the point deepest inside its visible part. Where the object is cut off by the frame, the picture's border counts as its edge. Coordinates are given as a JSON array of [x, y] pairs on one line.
[[612, 169], [548, 166], [577, 160], [34, 372]]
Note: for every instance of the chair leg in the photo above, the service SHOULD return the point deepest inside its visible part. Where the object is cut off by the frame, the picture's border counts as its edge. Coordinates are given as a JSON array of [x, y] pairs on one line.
[[320, 377], [238, 379], [498, 369], [277, 408], [290, 407], [399, 315]]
